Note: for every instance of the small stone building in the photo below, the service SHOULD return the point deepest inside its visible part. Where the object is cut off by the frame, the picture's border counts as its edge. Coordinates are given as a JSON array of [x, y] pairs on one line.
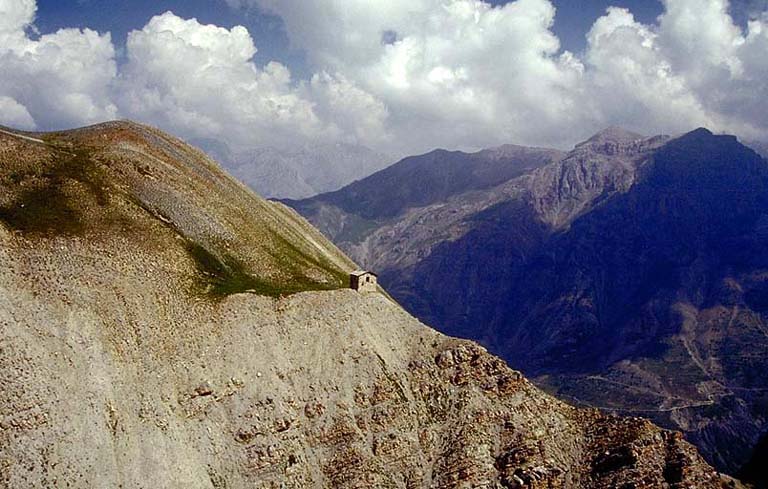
[[363, 281]]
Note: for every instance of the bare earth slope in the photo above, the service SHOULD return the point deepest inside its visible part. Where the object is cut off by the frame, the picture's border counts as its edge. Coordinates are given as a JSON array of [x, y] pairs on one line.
[[162, 327]]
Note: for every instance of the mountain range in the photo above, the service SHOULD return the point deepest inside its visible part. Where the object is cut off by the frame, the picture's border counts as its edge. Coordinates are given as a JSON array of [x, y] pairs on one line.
[[299, 172], [162, 326], [628, 274]]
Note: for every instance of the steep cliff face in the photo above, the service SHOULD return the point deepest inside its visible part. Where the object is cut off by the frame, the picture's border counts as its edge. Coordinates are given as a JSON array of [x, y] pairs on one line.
[[627, 275], [658, 306], [163, 327]]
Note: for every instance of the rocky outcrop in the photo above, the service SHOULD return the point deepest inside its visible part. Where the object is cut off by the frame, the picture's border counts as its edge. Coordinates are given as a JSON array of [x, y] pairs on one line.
[[163, 327]]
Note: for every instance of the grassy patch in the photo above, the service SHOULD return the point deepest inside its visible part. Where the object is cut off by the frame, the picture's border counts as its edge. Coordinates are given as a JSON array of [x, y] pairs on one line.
[[50, 202], [224, 276], [42, 210], [293, 259]]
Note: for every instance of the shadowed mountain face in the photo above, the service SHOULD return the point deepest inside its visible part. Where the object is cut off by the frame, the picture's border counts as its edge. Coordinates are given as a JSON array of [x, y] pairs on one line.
[[162, 326], [756, 470], [661, 289], [418, 181], [351, 214], [690, 222], [628, 274]]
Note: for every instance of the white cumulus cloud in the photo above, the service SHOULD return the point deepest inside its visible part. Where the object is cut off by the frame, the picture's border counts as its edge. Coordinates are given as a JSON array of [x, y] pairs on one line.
[[696, 67], [448, 72], [630, 81], [200, 81], [60, 79], [465, 73], [15, 16], [400, 76], [13, 114]]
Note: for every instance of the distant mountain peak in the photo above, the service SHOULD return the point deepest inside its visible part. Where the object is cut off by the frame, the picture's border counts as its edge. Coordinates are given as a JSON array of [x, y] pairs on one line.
[[701, 131], [613, 134], [703, 136]]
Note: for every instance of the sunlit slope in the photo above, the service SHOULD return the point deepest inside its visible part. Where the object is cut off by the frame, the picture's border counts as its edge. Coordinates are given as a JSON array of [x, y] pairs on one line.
[[127, 181]]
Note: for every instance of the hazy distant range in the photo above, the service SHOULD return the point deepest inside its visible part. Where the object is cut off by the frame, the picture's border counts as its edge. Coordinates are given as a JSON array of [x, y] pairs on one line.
[[299, 172]]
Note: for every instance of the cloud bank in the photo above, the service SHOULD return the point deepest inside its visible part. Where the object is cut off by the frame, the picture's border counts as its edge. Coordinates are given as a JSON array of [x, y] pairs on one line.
[[400, 76], [56, 80]]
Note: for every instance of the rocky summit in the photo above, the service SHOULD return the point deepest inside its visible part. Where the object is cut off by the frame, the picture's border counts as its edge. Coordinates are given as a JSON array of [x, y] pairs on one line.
[[164, 327]]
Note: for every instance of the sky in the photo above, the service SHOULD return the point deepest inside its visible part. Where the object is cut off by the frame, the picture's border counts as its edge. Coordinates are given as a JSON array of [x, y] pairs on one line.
[[399, 76], [572, 21]]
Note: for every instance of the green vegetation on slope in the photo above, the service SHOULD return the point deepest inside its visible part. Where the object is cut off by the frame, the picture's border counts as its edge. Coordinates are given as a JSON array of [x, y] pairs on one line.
[[51, 200], [221, 277]]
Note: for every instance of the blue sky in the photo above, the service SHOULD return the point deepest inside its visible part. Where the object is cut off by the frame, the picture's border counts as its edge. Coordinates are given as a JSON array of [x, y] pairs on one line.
[[574, 18], [121, 16]]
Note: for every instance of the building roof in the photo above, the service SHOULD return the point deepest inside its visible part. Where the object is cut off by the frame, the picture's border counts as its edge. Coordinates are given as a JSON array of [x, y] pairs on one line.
[[360, 273]]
